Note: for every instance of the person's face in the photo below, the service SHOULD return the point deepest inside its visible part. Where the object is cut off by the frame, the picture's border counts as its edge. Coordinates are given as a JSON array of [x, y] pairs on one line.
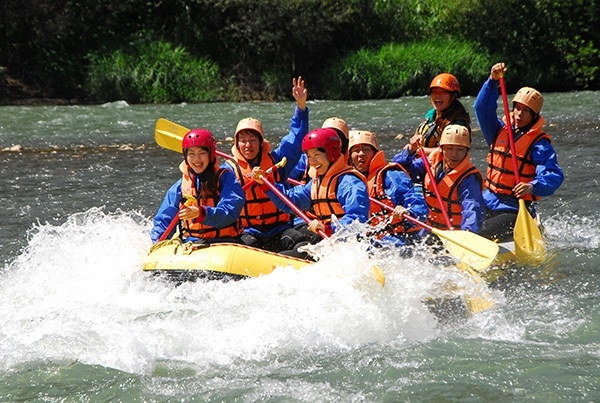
[[440, 99], [198, 159], [248, 143], [361, 155], [453, 155], [318, 160], [522, 114]]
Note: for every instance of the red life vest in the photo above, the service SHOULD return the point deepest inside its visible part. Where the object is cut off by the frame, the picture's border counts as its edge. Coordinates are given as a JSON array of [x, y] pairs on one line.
[[375, 177], [199, 230], [259, 210], [323, 192], [500, 176], [448, 188]]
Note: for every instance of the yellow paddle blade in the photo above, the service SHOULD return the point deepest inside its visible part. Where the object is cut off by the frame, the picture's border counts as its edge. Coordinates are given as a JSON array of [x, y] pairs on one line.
[[169, 134], [378, 275], [479, 301], [476, 251], [529, 244]]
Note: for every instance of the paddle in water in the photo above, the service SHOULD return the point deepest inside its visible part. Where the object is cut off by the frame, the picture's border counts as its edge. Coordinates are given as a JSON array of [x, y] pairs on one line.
[[529, 244], [476, 251], [379, 276]]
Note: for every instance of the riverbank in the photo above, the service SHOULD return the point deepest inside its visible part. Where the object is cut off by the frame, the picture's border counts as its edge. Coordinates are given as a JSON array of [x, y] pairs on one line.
[[14, 92]]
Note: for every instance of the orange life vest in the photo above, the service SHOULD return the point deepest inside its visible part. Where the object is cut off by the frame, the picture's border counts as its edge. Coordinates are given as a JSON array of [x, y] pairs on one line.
[[448, 188], [199, 230], [323, 192], [375, 177], [258, 210], [500, 176]]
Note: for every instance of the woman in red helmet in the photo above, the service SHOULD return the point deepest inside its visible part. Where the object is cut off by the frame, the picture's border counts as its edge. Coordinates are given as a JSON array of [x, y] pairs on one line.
[[444, 92], [207, 199], [335, 189]]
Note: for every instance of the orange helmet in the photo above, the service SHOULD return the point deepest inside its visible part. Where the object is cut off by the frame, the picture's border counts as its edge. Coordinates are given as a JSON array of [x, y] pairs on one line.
[[447, 82], [531, 98], [341, 127], [338, 124], [457, 135], [362, 137], [250, 124]]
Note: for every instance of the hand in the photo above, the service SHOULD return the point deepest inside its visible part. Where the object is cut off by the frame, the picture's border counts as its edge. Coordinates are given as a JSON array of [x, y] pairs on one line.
[[498, 71], [257, 175], [416, 142], [299, 92], [521, 189], [316, 226], [399, 211], [191, 212]]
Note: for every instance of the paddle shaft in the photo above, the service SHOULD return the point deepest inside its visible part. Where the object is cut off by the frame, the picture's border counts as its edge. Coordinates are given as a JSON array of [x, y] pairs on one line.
[[527, 236], [383, 205], [511, 136], [290, 204], [435, 187], [170, 228], [405, 216], [280, 164]]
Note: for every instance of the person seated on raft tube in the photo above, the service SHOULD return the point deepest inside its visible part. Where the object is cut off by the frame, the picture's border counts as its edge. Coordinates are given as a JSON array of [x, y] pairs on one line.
[[539, 171], [263, 222], [207, 199], [335, 189], [444, 92], [301, 170], [458, 180], [390, 184]]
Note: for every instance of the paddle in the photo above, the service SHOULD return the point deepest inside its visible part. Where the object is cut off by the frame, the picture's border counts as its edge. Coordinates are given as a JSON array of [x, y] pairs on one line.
[[280, 164], [457, 245], [464, 245], [172, 225], [470, 248], [435, 187], [188, 199], [529, 243], [379, 276], [169, 135]]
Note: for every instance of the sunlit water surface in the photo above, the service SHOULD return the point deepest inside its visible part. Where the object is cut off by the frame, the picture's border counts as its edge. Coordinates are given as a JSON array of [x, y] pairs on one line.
[[82, 322]]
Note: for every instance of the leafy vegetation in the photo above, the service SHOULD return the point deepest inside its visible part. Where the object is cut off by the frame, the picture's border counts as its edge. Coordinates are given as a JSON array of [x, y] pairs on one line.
[[155, 72], [212, 50], [395, 70]]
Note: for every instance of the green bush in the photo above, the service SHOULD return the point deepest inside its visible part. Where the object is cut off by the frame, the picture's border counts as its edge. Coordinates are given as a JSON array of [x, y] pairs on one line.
[[551, 45], [154, 72], [397, 70]]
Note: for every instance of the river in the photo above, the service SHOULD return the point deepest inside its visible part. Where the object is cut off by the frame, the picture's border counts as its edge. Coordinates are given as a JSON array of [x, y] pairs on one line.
[[80, 321]]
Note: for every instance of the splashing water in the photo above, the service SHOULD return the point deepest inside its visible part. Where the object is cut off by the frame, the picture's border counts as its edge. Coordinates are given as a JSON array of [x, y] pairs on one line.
[[77, 293]]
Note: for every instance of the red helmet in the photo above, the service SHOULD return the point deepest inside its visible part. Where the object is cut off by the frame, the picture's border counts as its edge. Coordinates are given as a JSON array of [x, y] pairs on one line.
[[341, 127], [327, 139], [200, 138]]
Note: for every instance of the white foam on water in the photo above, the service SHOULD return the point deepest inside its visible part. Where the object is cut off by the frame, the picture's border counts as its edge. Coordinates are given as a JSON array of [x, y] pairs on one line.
[[78, 293]]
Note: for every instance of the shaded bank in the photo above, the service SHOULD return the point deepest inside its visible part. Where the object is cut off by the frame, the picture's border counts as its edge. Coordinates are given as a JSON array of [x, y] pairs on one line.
[[14, 91]]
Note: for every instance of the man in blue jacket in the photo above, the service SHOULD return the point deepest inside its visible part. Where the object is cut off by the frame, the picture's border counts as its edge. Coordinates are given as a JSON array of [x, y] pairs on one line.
[[540, 174]]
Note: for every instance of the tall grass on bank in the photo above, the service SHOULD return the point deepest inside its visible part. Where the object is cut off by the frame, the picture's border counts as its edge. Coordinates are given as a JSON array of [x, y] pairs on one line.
[[154, 72], [396, 70]]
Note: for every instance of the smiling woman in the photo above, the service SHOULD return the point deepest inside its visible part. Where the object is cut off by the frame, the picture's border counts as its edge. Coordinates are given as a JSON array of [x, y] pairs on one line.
[[207, 199]]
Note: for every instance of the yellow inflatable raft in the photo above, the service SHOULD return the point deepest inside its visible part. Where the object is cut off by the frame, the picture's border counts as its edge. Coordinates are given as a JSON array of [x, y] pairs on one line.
[[225, 261]]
